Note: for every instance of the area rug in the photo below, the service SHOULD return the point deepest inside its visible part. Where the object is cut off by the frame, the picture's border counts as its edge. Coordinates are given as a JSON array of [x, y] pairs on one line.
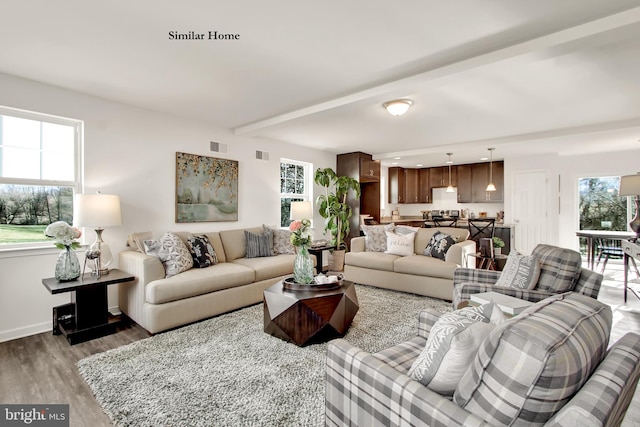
[[226, 371]]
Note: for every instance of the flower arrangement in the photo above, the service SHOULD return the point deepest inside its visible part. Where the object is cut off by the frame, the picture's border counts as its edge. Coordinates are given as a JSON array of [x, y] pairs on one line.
[[64, 235], [301, 232]]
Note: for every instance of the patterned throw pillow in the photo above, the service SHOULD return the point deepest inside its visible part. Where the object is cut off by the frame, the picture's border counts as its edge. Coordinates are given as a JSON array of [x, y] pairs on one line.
[[202, 251], [520, 271], [400, 244], [439, 245], [172, 252], [376, 237], [452, 345], [259, 245], [281, 241]]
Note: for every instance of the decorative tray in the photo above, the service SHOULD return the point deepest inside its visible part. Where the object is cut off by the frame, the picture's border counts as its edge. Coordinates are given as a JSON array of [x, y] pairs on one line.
[[290, 285]]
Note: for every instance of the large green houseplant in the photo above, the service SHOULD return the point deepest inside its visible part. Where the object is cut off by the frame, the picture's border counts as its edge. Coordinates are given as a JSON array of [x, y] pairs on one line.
[[332, 205]]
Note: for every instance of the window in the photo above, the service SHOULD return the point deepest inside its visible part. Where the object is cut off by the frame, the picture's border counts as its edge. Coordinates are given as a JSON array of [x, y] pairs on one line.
[[295, 186], [39, 173], [600, 206]]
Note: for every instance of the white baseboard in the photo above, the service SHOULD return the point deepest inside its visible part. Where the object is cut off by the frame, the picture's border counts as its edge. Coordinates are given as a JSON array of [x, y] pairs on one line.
[[39, 328], [25, 331]]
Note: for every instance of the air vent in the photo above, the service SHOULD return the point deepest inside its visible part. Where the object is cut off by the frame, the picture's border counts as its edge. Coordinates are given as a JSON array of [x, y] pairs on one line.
[[262, 155], [219, 147]]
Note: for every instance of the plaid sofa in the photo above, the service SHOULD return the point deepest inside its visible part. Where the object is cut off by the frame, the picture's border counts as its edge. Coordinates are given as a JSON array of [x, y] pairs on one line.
[[558, 274], [564, 374]]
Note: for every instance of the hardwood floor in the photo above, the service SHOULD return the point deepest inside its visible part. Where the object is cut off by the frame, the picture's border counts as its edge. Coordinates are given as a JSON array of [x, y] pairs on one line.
[[42, 368]]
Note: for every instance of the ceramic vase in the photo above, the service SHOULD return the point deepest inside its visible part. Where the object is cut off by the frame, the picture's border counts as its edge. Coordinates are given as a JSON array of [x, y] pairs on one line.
[[303, 266], [67, 266]]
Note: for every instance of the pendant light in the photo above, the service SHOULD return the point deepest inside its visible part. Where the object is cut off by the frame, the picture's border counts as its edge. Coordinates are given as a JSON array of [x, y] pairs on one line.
[[491, 186], [450, 188]]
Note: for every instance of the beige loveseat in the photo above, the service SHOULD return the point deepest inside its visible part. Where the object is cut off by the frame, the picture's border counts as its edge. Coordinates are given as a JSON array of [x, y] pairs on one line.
[[158, 303], [417, 273]]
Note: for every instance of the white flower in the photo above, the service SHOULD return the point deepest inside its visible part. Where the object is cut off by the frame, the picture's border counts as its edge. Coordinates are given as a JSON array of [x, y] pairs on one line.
[[63, 233]]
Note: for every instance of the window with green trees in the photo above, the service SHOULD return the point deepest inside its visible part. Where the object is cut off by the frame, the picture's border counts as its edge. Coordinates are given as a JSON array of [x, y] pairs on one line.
[[39, 173]]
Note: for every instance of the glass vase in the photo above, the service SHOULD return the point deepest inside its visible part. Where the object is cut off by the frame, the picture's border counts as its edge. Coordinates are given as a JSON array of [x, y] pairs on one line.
[[303, 266], [67, 266]]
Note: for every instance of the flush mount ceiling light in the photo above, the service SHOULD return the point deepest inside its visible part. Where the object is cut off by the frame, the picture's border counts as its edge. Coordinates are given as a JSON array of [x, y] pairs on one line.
[[491, 186], [397, 107], [449, 187]]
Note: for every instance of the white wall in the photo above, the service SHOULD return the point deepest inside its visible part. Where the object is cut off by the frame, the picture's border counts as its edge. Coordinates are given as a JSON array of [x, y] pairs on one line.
[[131, 152], [563, 173]]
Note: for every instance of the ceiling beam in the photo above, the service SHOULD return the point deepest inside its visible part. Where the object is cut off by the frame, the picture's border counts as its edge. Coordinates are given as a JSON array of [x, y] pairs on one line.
[[535, 46]]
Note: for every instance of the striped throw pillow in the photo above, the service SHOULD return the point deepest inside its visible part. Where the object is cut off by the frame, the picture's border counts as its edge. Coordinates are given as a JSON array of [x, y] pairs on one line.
[[259, 245]]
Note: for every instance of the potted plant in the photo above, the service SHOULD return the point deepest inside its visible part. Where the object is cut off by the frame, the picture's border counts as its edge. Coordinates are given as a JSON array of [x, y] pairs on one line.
[[498, 244], [333, 207]]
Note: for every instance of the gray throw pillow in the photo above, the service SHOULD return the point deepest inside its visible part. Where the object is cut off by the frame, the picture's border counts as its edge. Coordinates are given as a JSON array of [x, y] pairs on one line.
[[281, 240], [259, 245], [520, 271], [452, 345], [172, 252], [376, 237]]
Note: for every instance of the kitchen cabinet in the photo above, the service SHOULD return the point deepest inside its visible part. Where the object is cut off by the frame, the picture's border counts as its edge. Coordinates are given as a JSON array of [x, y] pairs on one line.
[[424, 188], [463, 183], [439, 176], [480, 180], [369, 170], [412, 184], [363, 168], [396, 185]]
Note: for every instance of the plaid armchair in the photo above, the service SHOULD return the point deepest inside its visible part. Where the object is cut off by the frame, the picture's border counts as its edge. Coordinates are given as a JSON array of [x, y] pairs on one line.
[[558, 275], [364, 389]]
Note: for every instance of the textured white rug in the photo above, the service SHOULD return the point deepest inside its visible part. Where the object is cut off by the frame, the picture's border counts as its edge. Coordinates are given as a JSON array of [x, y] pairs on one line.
[[226, 371]]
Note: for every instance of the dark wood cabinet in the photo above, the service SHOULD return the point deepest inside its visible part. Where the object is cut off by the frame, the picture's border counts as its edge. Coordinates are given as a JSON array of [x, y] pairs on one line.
[[351, 165], [412, 184], [396, 185], [463, 183], [369, 170], [480, 179], [439, 177], [424, 186]]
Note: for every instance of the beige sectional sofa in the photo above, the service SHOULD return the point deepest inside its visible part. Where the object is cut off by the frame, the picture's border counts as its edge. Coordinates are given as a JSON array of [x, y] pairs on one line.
[[416, 273], [158, 303]]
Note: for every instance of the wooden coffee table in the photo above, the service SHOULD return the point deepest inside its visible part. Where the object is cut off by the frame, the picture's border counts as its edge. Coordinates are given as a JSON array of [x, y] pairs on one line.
[[309, 316]]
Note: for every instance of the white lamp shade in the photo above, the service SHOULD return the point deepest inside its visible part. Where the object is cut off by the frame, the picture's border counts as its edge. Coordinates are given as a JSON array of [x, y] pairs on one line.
[[96, 210], [301, 210], [630, 185]]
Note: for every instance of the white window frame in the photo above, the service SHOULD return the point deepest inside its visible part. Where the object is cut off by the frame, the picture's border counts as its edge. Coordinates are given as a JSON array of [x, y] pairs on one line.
[[76, 183], [308, 181]]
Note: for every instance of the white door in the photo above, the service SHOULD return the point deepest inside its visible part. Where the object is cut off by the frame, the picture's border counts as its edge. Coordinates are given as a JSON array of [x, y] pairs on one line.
[[530, 209]]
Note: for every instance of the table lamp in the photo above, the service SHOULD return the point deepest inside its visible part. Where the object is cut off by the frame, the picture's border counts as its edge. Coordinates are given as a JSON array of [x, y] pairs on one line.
[[301, 210], [98, 211], [630, 186]]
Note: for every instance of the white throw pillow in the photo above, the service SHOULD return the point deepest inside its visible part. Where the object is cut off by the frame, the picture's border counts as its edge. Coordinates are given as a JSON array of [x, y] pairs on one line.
[[452, 344], [400, 244], [520, 271]]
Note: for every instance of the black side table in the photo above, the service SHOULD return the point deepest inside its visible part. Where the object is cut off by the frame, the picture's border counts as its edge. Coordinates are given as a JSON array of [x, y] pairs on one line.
[[87, 317], [318, 252]]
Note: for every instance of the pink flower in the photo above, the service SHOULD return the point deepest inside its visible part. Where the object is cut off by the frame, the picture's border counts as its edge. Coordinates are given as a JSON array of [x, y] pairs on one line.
[[295, 225]]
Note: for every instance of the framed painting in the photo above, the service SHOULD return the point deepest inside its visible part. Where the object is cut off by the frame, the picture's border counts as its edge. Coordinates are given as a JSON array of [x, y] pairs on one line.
[[206, 189]]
